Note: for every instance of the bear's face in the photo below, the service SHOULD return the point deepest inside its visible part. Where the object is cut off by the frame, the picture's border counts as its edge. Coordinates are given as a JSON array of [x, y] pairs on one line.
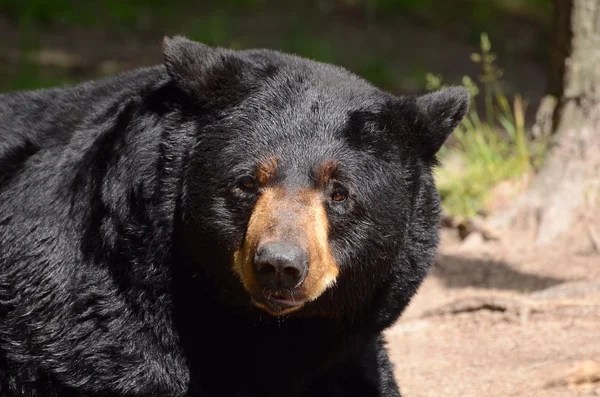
[[304, 175]]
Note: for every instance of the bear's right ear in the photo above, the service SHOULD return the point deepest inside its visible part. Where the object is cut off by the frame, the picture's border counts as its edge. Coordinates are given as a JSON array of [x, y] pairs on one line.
[[438, 114], [189, 63]]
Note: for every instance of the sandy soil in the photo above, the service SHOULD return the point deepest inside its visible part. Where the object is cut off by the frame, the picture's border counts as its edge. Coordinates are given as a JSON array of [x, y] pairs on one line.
[[502, 320]]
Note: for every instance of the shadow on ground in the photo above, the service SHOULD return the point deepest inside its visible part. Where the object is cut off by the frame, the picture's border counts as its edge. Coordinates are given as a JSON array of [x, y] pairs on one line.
[[461, 272]]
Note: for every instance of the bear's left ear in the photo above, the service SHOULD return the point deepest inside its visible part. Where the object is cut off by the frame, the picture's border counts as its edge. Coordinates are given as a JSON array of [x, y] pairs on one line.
[[438, 114], [190, 63]]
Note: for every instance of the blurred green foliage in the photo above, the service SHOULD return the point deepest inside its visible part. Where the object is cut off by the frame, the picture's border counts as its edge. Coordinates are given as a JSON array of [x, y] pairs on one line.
[[221, 22], [488, 151], [114, 14]]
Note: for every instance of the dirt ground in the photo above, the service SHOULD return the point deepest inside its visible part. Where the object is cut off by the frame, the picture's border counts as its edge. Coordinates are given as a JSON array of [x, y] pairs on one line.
[[502, 319]]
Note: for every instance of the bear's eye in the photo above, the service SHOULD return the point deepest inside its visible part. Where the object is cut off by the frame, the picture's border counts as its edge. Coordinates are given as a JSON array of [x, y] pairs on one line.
[[339, 194], [247, 184]]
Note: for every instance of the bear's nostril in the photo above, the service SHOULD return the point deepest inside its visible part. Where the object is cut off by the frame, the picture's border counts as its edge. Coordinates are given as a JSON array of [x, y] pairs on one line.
[[265, 268], [292, 271]]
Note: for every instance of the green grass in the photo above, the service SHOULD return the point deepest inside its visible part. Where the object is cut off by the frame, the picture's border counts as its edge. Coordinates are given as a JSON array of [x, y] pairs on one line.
[[213, 28], [24, 74], [130, 12], [119, 15], [473, 10], [377, 71], [299, 41], [488, 150], [29, 76]]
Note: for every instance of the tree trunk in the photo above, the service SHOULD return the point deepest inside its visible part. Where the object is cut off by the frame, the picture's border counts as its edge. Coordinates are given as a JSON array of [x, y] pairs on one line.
[[572, 166]]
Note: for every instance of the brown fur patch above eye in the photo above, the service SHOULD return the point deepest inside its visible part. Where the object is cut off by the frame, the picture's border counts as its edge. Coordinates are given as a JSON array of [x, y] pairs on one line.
[[325, 172], [266, 171]]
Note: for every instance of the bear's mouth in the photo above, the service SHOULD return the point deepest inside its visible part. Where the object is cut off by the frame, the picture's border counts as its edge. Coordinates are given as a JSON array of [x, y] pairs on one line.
[[278, 303]]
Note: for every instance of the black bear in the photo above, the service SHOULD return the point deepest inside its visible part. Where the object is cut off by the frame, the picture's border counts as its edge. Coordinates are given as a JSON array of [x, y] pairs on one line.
[[229, 223]]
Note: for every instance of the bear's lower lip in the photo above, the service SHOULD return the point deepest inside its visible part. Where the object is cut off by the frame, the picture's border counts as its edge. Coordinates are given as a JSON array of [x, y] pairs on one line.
[[277, 303], [283, 301]]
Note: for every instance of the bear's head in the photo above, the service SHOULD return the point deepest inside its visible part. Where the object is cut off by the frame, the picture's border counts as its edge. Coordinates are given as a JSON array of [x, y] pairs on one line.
[[307, 190]]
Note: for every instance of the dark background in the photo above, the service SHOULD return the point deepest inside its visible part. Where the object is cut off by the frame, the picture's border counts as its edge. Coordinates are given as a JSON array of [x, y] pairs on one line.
[[393, 43]]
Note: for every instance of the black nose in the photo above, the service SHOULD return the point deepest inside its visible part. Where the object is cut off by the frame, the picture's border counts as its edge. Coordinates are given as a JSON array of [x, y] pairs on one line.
[[280, 266]]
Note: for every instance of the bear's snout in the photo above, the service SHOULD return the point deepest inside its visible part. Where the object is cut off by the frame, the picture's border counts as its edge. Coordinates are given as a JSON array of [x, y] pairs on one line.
[[280, 266], [285, 260]]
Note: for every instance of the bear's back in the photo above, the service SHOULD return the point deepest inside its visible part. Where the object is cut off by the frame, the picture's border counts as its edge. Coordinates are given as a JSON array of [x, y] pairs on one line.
[[47, 117]]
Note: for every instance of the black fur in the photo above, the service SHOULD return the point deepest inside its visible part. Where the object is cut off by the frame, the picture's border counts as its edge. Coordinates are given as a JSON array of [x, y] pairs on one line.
[[118, 222]]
